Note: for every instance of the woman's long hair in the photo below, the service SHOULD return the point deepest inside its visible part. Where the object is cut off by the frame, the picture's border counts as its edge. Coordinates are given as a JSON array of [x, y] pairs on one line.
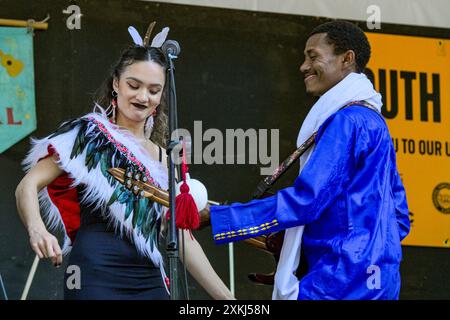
[[133, 54]]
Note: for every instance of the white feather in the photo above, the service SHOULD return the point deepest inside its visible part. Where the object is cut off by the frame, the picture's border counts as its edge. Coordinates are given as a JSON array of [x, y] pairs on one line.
[[135, 35], [159, 39], [148, 127]]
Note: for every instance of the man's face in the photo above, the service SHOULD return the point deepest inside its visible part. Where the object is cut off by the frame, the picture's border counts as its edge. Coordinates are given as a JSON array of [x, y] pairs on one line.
[[322, 67]]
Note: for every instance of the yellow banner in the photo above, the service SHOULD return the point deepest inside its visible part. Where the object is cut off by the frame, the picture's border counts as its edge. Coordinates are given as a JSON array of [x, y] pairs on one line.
[[412, 74]]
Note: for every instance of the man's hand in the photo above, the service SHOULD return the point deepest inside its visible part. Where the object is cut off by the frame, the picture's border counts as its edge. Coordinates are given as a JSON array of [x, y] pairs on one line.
[[205, 217]]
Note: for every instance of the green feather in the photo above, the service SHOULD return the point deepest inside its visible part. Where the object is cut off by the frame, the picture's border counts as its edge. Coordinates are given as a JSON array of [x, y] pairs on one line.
[[96, 158], [136, 206], [129, 208], [90, 153], [104, 165], [79, 144], [142, 214], [123, 197], [135, 219], [66, 127], [150, 227], [117, 192]]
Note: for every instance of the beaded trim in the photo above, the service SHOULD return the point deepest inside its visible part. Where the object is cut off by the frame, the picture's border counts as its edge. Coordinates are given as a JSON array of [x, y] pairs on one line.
[[242, 232], [124, 150]]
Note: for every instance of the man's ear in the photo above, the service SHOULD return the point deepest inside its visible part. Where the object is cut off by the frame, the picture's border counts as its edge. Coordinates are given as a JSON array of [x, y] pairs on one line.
[[349, 59]]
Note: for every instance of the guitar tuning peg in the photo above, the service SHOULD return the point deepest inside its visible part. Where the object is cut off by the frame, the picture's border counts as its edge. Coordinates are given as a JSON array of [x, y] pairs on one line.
[[129, 171]]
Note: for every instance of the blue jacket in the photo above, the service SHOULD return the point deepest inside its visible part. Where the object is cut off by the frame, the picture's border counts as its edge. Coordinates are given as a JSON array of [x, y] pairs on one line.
[[353, 204]]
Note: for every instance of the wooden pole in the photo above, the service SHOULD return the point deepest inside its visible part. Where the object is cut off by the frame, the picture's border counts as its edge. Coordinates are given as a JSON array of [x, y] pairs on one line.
[[24, 23]]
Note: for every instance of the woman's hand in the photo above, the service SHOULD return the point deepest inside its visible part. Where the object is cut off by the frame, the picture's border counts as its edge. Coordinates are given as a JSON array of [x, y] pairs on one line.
[[198, 265], [45, 245]]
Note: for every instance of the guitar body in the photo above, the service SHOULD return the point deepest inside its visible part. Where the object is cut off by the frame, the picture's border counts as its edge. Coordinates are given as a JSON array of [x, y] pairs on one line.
[[272, 243]]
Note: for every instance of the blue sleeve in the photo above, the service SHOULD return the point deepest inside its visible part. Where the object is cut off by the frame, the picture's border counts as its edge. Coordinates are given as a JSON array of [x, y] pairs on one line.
[[320, 182], [401, 206]]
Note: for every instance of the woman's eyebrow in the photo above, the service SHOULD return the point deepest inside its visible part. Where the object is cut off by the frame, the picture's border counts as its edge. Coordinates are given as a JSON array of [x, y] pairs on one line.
[[151, 84], [135, 79]]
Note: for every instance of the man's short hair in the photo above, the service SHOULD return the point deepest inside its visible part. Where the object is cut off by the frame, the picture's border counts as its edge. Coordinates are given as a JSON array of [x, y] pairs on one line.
[[346, 36]]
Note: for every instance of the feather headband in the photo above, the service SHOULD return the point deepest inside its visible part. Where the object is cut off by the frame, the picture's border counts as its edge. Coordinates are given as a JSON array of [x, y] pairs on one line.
[[157, 41]]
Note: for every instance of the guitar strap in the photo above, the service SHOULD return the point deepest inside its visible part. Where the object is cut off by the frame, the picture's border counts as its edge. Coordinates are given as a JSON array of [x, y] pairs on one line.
[[269, 181]]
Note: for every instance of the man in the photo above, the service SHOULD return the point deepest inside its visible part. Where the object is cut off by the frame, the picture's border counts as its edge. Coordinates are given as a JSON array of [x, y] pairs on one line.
[[347, 207]]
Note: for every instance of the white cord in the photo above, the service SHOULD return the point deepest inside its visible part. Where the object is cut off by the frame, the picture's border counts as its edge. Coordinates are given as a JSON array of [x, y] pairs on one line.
[[3, 287], [231, 259], [30, 278]]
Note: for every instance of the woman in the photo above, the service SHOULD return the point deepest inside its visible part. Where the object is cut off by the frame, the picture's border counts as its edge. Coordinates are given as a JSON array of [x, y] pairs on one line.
[[117, 230]]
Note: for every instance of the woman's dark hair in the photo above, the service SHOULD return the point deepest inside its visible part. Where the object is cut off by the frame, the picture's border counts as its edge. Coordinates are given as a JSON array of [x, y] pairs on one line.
[[346, 36], [131, 55]]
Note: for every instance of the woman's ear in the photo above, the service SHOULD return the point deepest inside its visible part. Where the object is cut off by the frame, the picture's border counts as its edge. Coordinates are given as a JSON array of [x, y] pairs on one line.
[[116, 84]]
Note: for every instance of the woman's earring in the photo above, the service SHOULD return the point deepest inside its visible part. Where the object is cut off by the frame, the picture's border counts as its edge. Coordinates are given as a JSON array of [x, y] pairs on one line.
[[114, 105], [154, 112], [148, 127]]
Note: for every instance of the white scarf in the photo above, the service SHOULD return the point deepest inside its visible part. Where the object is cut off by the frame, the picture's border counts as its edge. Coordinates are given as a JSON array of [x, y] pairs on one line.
[[354, 87]]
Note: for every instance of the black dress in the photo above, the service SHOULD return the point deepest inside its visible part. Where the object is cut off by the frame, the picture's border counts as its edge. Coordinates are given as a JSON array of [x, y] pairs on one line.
[[110, 267]]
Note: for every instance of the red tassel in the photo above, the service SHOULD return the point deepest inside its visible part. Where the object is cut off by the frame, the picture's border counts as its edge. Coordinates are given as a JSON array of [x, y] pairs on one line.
[[187, 216], [186, 211]]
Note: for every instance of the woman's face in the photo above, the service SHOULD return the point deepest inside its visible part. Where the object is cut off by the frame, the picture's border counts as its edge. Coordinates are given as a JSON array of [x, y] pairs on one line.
[[139, 90]]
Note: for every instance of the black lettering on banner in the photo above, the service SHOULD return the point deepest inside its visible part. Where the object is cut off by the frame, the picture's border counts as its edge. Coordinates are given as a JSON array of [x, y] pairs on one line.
[[408, 77], [429, 147], [383, 91], [427, 95], [438, 147], [389, 111], [395, 143], [433, 96], [409, 146], [370, 75], [424, 147], [394, 94]]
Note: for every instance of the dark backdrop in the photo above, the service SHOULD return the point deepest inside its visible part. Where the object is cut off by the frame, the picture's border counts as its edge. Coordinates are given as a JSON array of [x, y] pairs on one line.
[[237, 69]]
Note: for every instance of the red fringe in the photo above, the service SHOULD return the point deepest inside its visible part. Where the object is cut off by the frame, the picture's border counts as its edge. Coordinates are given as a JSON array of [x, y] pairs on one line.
[[187, 216]]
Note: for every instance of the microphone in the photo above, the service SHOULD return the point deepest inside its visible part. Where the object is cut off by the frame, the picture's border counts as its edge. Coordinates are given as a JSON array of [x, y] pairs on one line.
[[171, 47]]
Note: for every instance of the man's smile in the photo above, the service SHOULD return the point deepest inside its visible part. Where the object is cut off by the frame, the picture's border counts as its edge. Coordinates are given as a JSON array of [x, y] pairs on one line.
[[309, 77]]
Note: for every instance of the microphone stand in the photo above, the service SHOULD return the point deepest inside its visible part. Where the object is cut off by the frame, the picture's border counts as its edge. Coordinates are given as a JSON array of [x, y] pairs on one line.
[[172, 244]]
